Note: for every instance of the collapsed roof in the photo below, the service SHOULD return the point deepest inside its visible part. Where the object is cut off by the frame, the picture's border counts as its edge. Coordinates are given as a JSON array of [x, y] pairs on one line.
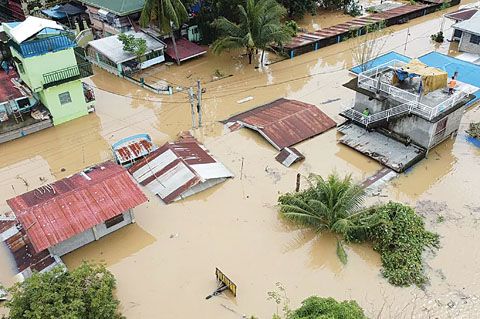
[[179, 169]]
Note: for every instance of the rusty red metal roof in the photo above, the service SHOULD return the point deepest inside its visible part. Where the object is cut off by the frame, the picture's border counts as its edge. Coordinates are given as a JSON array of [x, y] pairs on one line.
[[305, 38], [285, 122], [185, 49], [9, 91], [462, 14], [133, 148], [289, 156], [179, 169], [65, 208]]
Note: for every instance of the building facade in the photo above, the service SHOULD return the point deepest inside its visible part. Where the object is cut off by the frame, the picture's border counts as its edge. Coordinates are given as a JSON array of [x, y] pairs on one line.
[[468, 31], [408, 104], [52, 66]]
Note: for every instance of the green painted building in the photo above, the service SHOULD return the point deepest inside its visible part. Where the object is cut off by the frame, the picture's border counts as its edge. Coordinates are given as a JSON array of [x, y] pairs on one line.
[[52, 66]]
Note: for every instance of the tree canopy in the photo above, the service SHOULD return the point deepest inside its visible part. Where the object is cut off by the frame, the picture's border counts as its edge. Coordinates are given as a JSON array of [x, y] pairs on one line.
[[84, 293], [137, 46], [327, 308], [298, 8], [395, 230], [260, 27], [166, 14]]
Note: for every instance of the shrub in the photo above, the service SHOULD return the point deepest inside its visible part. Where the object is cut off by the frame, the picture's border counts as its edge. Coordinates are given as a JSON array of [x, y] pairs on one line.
[[316, 307]]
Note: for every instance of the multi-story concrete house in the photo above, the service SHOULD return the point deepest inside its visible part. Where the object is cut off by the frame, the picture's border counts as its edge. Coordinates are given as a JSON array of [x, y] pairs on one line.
[[49, 62], [401, 111], [109, 17]]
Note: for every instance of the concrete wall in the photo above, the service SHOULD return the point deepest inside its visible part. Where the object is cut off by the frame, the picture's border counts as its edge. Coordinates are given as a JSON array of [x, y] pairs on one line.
[[466, 46], [89, 235], [422, 132], [453, 123], [363, 101], [62, 113]]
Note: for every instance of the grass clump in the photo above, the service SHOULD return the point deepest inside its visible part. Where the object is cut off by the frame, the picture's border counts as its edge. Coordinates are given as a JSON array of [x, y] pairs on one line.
[[317, 307]]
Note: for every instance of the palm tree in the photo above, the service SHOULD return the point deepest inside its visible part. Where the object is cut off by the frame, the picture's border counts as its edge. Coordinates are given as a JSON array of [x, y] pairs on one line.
[[167, 14], [333, 205], [260, 27]]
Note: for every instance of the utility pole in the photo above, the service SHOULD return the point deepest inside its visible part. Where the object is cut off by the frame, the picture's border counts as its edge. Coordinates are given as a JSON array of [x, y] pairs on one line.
[[406, 41], [192, 105], [199, 102]]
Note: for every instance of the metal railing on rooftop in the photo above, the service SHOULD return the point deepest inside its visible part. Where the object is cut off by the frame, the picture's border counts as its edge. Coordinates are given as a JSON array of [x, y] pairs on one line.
[[67, 74], [371, 80], [42, 46]]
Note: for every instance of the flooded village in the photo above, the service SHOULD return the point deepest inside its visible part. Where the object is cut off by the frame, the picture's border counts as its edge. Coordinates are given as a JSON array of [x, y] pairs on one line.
[[104, 158]]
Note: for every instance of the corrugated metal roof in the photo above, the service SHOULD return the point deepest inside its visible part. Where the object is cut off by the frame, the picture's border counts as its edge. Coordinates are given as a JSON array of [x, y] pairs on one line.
[[288, 156], [311, 37], [132, 148], [471, 25], [285, 122], [58, 211], [119, 7], [112, 47], [185, 49], [179, 169], [30, 27], [462, 14]]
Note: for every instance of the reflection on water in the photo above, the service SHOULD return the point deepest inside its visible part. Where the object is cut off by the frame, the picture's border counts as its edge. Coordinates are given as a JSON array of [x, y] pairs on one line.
[[111, 249]]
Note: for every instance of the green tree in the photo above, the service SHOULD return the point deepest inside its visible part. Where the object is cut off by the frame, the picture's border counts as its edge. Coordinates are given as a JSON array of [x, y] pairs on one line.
[[84, 293], [168, 15], [260, 27], [318, 308], [298, 8], [333, 204], [137, 46]]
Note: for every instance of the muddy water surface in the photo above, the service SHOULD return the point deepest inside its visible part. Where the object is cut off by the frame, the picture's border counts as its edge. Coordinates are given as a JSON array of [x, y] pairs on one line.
[[165, 262]]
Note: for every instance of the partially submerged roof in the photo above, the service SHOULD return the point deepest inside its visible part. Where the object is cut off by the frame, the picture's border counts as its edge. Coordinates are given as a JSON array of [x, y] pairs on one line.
[[30, 27], [58, 211], [112, 47], [471, 25], [119, 7], [289, 156], [462, 14], [179, 169], [61, 11], [186, 50], [285, 122], [132, 148]]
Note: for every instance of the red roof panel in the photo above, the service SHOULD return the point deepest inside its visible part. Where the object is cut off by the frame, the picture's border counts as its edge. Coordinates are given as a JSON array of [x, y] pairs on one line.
[[462, 14], [285, 122], [56, 212], [186, 49]]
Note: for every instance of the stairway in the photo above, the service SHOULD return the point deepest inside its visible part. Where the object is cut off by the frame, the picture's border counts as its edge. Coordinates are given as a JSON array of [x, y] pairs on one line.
[[15, 111], [378, 118]]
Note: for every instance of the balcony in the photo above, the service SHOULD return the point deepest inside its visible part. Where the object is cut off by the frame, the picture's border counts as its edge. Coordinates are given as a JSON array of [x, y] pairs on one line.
[[42, 46], [72, 73]]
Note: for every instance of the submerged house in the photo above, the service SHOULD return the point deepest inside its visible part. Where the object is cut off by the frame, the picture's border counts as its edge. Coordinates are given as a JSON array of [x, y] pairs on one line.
[[110, 17], [401, 111], [179, 169], [58, 218], [108, 53], [468, 31], [51, 65]]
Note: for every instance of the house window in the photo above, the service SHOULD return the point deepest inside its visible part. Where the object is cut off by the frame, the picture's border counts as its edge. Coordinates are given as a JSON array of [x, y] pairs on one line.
[[441, 126], [20, 68], [65, 98], [475, 39], [114, 221]]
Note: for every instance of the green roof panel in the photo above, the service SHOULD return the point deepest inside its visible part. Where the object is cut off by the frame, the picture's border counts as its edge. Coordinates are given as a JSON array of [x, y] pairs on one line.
[[119, 7]]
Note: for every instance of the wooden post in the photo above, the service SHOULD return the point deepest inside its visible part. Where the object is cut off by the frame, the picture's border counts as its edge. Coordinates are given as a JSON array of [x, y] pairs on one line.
[[297, 188]]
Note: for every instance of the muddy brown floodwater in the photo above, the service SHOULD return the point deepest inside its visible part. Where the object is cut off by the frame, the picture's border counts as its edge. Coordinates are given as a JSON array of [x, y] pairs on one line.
[[165, 262]]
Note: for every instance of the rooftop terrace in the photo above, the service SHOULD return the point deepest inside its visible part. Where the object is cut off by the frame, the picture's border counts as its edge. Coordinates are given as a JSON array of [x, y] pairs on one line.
[[410, 91]]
